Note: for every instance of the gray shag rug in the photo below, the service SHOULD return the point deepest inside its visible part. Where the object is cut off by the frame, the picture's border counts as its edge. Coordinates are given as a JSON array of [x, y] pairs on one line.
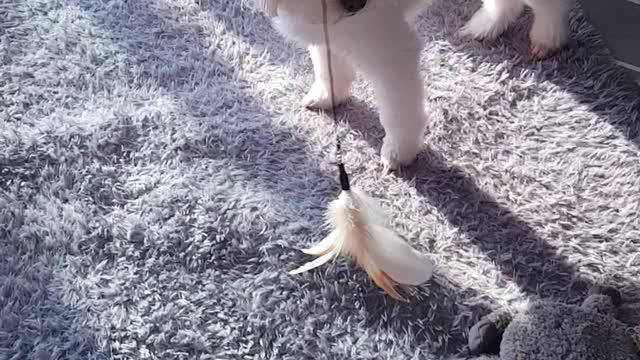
[[158, 177]]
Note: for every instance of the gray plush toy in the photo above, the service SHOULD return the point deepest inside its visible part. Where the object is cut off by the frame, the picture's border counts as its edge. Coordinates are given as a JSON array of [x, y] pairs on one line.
[[553, 331]]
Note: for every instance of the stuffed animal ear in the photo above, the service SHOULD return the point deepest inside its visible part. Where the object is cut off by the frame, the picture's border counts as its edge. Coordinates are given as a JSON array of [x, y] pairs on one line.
[[613, 293], [603, 299], [270, 7], [484, 338], [486, 335], [635, 335]]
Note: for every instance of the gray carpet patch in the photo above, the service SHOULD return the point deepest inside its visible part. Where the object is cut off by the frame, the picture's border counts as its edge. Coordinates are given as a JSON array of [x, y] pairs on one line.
[[158, 177]]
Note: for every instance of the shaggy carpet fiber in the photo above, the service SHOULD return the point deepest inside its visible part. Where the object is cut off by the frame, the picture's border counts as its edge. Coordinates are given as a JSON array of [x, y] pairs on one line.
[[158, 177]]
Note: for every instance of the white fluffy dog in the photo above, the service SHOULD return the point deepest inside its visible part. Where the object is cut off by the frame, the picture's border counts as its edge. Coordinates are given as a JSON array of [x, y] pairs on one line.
[[375, 37]]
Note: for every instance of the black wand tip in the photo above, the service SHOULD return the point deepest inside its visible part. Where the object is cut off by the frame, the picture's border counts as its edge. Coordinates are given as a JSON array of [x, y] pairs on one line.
[[344, 178]]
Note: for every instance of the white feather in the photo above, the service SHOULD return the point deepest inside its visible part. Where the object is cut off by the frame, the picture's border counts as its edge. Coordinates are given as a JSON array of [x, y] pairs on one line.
[[324, 246], [369, 209], [390, 252], [360, 231], [397, 258], [315, 263]]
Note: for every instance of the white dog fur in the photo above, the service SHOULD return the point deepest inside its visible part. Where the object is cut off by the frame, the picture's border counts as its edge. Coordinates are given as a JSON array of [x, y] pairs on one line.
[[549, 32], [380, 42]]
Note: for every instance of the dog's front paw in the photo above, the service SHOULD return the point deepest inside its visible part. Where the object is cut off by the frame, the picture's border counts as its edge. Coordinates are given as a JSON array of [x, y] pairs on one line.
[[481, 26], [319, 97], [489, 22], [395, 154]]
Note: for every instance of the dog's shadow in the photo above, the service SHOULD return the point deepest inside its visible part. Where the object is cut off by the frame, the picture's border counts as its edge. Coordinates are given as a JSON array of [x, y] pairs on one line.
[[521, 254]]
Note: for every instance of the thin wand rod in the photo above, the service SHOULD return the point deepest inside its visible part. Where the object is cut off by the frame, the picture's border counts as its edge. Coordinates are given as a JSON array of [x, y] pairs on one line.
[[344, 178]]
